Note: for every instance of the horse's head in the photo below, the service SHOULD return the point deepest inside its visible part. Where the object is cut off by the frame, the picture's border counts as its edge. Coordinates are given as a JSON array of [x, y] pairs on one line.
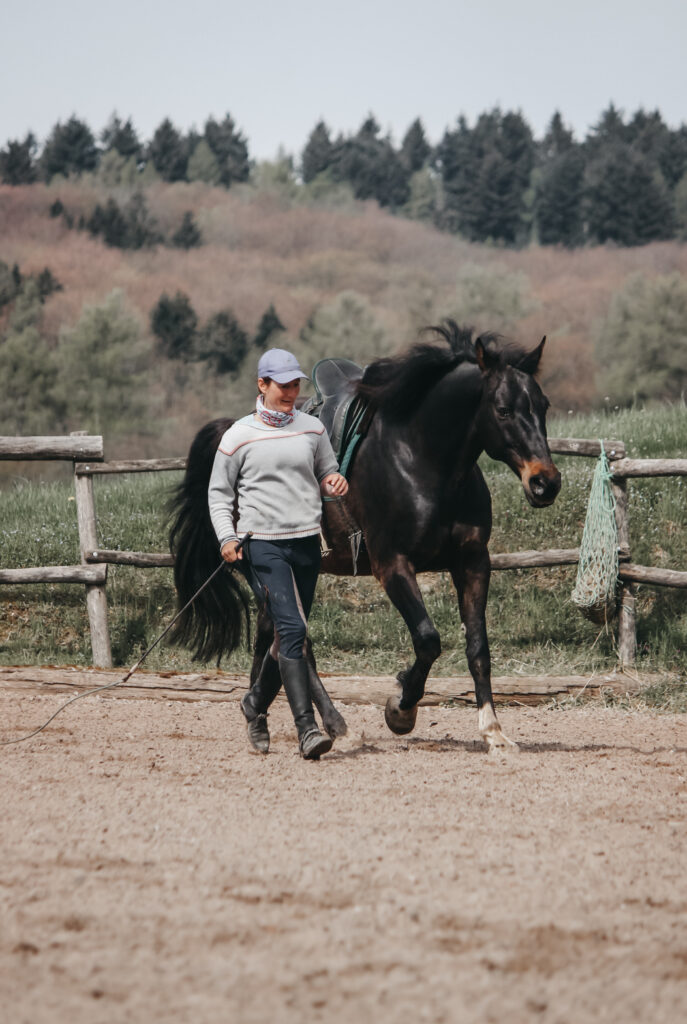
[[512, 420]]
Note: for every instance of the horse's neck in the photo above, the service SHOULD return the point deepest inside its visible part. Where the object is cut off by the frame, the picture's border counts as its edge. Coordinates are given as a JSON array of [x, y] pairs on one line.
[[447, 421]]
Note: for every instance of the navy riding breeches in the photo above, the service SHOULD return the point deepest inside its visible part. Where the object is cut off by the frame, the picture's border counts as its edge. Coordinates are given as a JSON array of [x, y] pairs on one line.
[[283, 574]]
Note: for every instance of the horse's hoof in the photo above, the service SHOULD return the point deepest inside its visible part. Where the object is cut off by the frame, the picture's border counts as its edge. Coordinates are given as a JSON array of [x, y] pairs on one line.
[[335, 726], [398, 720], [498, 743]]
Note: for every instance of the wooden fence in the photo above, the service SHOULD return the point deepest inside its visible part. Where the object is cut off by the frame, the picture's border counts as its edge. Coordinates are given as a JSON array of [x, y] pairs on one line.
[[86, 452]]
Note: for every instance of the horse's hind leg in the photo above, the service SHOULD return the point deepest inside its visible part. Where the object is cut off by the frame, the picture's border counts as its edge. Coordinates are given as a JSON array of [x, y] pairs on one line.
[[264, 637], [400, 583], [471, 579], [333, 722]]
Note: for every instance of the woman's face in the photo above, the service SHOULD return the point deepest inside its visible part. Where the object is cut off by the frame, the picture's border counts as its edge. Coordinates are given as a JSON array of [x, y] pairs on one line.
[[279, 397]]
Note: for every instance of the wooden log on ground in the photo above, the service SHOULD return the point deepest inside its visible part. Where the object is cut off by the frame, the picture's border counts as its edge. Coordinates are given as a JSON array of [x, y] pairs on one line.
[[130, 466], [374, 690], [649, 467], [83, 446], [581, 446], [533, 559], [653, 575], [89, 574], [142, 559]]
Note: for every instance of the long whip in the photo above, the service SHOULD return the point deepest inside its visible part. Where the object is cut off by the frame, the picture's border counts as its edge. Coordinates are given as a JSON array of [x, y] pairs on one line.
[[120, 682]]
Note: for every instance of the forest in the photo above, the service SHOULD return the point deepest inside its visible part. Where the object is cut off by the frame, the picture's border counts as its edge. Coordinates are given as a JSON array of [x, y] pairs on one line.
[[140, 280], [625, 182]]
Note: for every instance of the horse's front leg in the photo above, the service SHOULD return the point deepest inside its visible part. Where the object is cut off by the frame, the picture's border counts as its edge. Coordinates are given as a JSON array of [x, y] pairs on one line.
[[471, 579], [400, 583]]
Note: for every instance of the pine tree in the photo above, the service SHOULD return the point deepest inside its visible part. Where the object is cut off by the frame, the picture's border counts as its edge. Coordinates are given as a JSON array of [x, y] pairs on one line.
[[70, 149], [9, 286], [188, 235], [557, 139], [318, 154], [230, 149], [122, 138], [47, 284], [373, 168], [456, 160], [18, 162], [626, 201], [610, 130], [415, 150], [109, 223], [672, 157], [270, 325], [174, 322], [168, 152], [558, 199], [486, 173], [142, 227], [131, 228]]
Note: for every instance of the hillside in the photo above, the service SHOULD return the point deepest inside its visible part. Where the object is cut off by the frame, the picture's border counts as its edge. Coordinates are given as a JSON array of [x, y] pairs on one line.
[[262, 247]]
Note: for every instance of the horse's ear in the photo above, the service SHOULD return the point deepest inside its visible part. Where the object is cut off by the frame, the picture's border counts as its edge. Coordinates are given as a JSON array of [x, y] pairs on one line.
[[530, 362], [487, 361]]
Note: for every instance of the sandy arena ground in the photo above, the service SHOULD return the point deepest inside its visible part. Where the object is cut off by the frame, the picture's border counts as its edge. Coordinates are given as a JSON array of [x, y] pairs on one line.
[[153, 869]]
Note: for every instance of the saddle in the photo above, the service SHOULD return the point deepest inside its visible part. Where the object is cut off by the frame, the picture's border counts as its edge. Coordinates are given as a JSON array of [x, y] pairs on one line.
[[346, 418], [341, 412]]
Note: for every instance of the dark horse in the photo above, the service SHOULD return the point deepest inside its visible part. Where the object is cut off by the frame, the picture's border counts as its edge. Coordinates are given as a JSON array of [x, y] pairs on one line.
[[416, 492]]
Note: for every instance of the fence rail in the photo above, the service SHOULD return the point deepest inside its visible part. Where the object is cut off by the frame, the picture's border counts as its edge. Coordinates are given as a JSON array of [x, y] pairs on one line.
[[87, 454]]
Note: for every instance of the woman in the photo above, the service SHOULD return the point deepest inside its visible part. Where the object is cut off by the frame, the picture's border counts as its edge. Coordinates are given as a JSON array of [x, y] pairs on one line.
[[273, 466]]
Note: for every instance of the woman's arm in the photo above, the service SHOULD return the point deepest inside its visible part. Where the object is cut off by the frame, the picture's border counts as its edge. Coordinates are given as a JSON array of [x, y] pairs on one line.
[[221, 499]]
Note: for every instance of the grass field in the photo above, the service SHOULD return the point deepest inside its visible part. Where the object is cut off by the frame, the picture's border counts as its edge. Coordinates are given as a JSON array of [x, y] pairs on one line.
[[533, 626]]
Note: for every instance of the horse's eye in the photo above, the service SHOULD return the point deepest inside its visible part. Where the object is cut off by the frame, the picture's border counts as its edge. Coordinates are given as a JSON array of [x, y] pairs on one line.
[[503, 412]]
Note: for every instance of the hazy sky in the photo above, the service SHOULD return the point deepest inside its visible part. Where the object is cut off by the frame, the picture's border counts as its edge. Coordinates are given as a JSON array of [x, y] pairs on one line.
[[278, 67]]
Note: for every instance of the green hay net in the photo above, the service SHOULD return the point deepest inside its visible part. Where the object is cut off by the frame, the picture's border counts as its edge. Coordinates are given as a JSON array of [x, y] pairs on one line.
[[597, 571]]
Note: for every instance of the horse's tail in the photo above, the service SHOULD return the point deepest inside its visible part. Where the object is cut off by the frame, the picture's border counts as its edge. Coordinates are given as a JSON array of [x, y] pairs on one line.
[[214, 624]]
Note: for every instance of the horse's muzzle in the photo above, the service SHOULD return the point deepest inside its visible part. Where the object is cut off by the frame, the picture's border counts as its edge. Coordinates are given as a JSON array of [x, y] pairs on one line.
[[541, 483]]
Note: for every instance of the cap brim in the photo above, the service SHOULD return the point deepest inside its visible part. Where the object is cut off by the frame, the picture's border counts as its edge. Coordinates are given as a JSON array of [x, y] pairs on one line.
[[286, 378]]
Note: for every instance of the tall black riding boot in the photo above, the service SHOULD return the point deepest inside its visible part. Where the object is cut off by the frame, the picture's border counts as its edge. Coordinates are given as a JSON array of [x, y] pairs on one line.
[[294, 673], [255, 703]]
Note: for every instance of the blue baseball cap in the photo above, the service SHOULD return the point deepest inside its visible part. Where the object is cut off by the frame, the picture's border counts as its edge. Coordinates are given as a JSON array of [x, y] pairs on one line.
[[280, 365]]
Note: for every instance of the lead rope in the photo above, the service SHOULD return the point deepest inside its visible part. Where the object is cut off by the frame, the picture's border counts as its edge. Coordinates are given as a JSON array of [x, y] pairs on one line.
[[120, 682]]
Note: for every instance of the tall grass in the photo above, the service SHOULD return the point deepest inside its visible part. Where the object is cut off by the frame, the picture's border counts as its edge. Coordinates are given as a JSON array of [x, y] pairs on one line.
[[533, 626]]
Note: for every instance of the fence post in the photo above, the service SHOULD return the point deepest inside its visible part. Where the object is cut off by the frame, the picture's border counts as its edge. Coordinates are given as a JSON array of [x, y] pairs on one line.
[[96, 595], [627, 628]]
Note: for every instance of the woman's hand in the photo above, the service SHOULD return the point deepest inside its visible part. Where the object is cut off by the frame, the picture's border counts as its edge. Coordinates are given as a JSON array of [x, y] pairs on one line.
[[334, 485], [229, 551]]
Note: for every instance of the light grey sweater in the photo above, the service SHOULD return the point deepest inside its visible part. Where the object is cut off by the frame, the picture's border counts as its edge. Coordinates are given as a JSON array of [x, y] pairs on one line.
[[273, 474]]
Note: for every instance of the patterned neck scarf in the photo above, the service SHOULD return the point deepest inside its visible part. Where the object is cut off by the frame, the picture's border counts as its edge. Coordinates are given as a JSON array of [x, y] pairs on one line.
[[271, 416]]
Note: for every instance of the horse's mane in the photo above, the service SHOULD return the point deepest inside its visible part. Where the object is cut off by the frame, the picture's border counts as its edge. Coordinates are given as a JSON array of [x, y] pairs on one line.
[[395, 384]]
